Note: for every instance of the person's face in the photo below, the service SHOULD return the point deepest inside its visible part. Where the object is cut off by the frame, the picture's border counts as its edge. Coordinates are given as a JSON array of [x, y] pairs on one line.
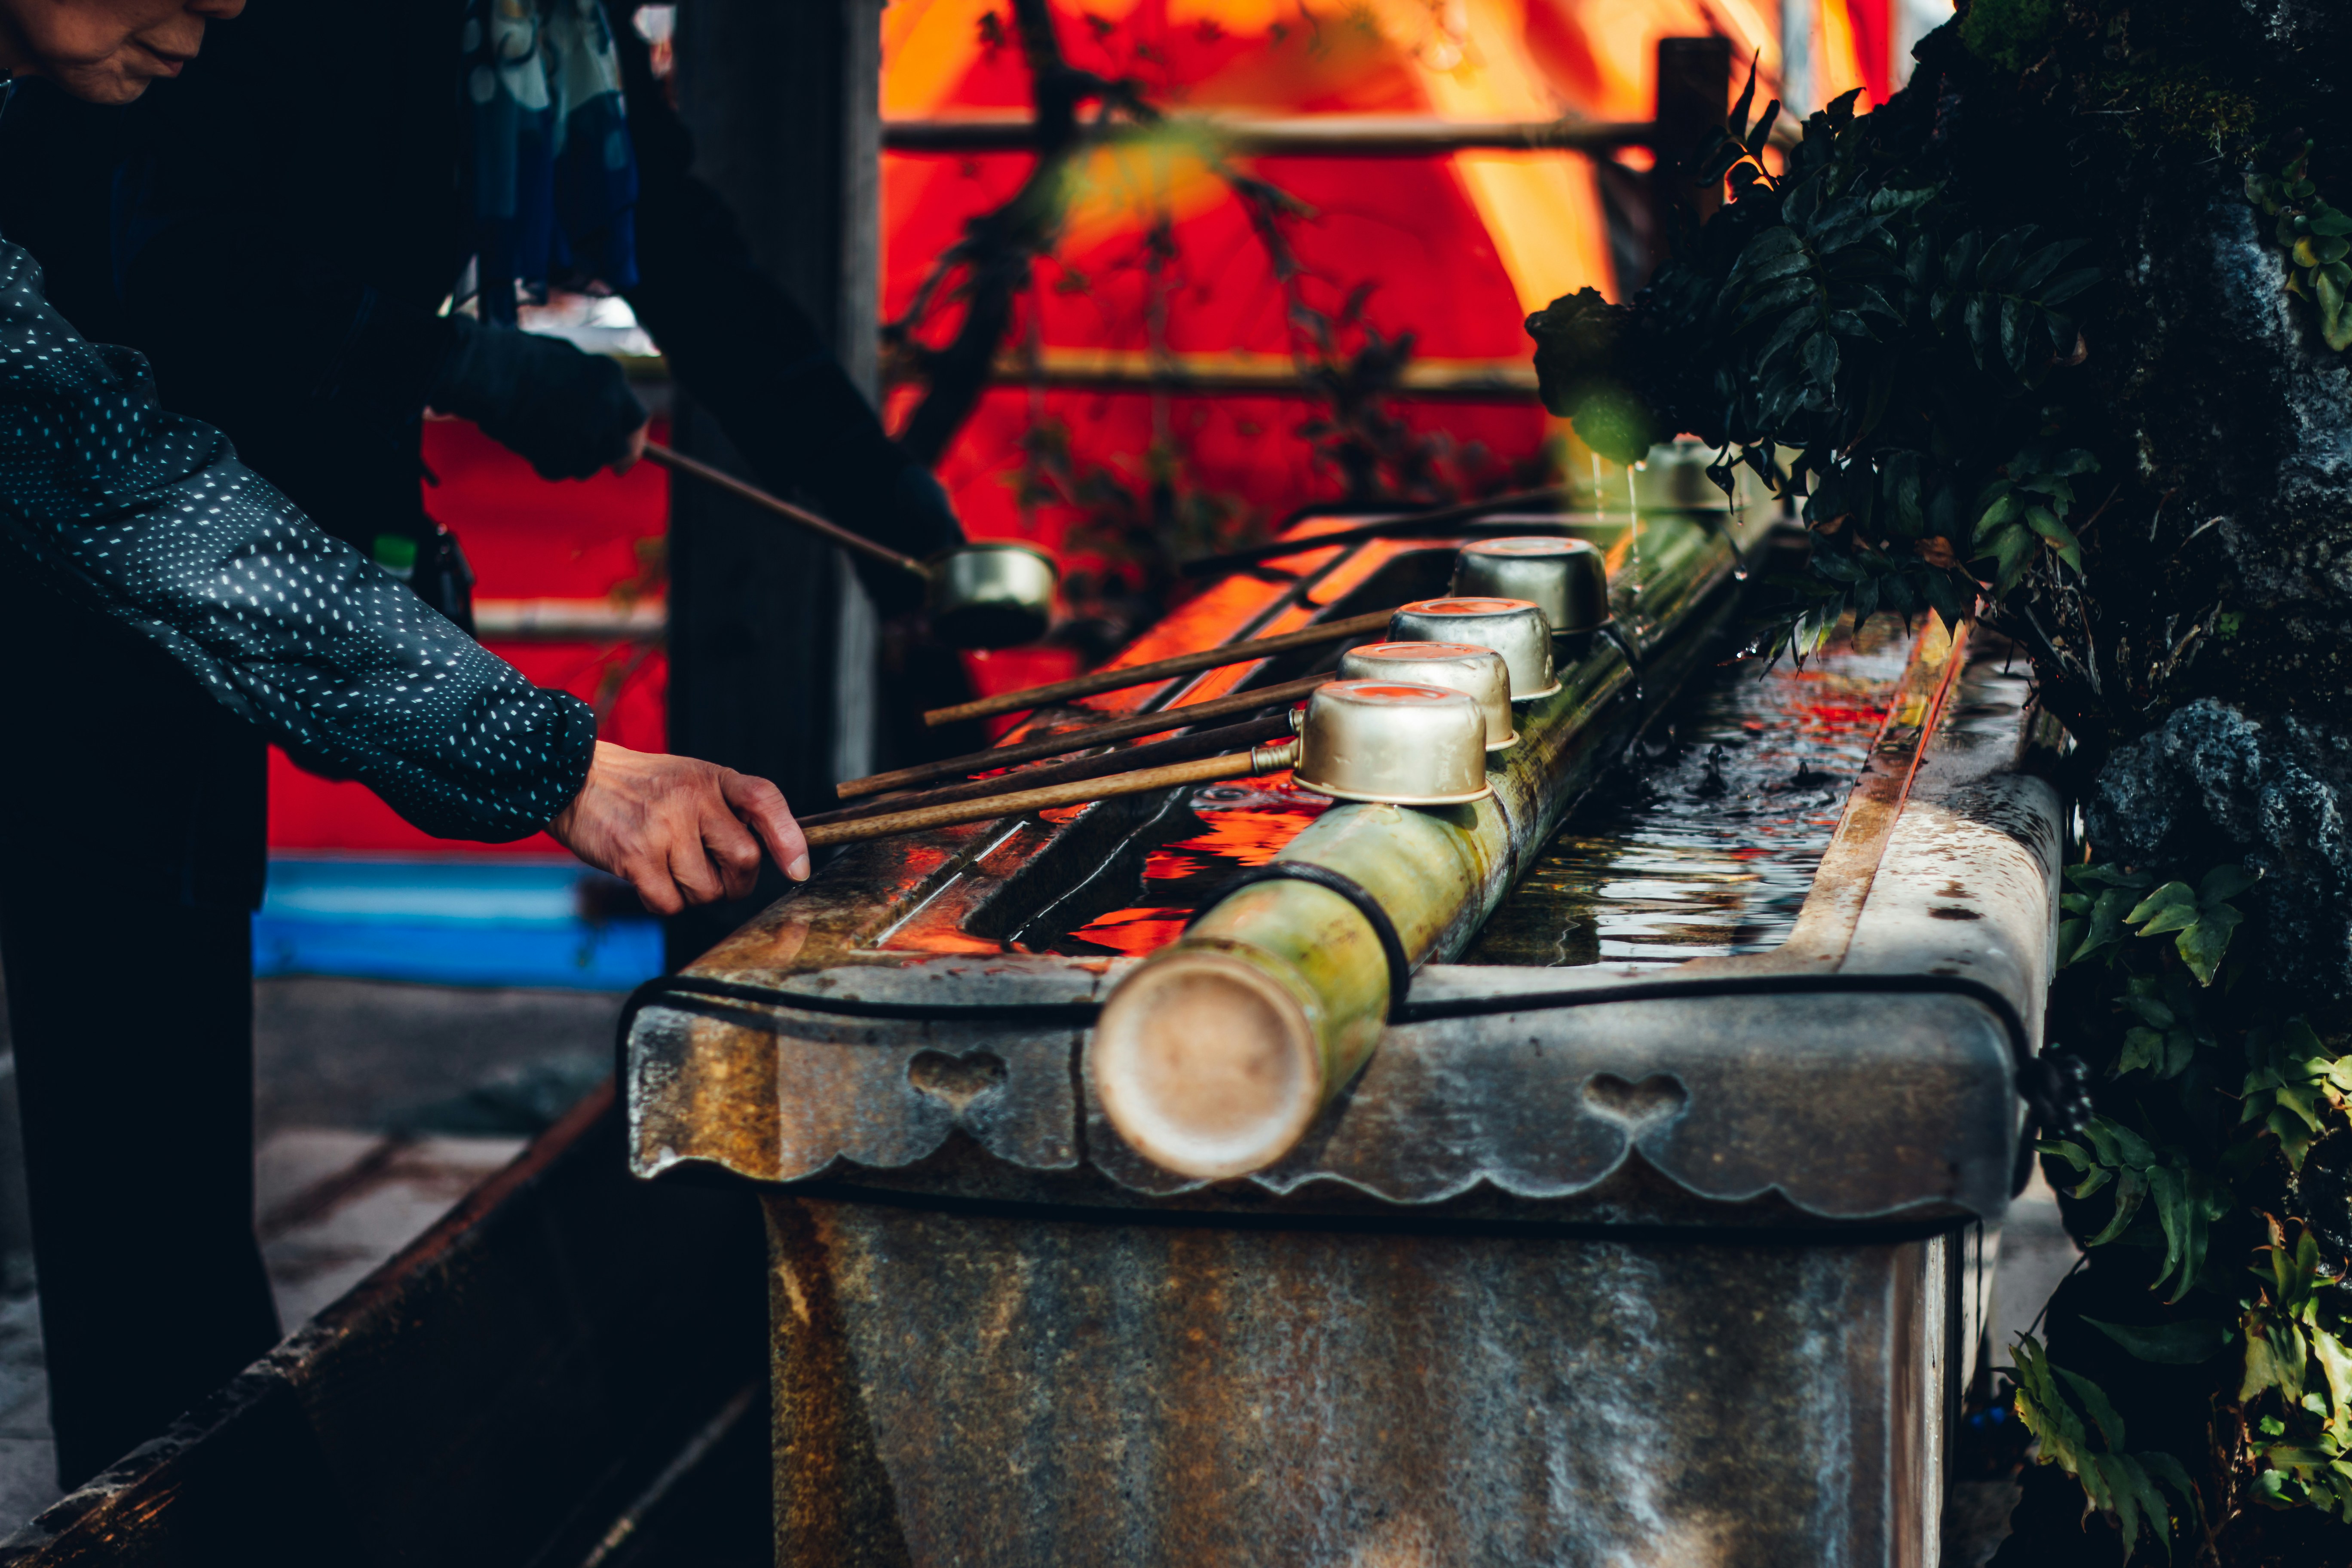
[[105, 51]]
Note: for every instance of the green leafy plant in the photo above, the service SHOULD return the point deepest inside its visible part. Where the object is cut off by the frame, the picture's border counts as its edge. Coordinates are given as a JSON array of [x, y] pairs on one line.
[[2082, 1435], [2318, 242], [1867, 347], [2204, 917], [2025, 513], [2187, 1199], [2208, 1117], [2298, 1380], [2294, 1087]]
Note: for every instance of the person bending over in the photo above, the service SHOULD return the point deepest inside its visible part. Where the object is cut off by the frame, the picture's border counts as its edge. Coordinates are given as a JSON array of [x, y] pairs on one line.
[[166, 566]]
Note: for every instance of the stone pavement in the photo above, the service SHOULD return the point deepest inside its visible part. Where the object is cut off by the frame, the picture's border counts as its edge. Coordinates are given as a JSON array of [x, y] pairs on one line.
[[378, 1107]]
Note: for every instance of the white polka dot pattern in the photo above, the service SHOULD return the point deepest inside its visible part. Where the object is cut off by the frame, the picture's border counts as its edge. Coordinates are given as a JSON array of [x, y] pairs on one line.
[[152, 517]]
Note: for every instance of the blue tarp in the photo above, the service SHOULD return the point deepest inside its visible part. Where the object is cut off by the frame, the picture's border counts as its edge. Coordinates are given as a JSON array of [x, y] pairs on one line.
[[472, 921]]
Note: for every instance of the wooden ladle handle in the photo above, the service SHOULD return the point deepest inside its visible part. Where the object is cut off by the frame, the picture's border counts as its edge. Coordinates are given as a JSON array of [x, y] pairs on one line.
[[680, 463], [1120, 677], [1207, 769]]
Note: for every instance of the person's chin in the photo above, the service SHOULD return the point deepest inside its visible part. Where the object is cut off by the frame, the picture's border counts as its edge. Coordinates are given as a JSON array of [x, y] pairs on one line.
[[110, 84]]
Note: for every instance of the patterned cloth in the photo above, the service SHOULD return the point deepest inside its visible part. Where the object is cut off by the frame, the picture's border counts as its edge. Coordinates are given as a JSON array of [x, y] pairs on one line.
[[150, 518], [553, 176]]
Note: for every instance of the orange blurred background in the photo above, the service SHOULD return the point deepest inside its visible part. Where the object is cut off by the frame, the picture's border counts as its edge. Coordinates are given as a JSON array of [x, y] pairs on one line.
[[1157, 254]]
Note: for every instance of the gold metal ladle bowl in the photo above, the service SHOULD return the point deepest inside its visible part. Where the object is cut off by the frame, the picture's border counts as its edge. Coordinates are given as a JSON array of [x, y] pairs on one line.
[[991, 593], [1478, 671], [1512, 627], [1395, 742], [1567, 579]]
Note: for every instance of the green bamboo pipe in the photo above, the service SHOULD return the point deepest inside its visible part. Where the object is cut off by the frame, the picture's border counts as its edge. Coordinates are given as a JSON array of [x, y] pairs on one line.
[[1213, 1056]]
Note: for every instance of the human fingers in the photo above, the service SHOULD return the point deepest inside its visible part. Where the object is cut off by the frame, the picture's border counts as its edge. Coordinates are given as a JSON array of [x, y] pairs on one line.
[[731, 849], [655, 888], [761, 804], [690, 870], [634, 450]]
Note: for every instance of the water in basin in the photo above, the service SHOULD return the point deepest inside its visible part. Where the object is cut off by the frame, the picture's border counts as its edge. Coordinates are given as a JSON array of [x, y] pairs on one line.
[[1703, 845]]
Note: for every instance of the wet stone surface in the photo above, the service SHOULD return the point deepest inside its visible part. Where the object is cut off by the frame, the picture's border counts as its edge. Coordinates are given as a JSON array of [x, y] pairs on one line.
[[1704, 844]]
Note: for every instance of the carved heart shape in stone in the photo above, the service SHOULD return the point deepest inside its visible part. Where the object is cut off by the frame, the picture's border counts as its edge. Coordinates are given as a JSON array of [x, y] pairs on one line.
[[1655, 1099], [957, 1080]]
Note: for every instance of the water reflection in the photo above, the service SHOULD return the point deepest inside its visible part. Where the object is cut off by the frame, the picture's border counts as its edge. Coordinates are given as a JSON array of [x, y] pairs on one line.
[[1702, 846], [1241, 825], [1705, 845]]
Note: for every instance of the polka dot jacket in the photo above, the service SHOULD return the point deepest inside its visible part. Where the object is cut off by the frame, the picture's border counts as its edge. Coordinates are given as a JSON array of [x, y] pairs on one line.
[[151, 518]]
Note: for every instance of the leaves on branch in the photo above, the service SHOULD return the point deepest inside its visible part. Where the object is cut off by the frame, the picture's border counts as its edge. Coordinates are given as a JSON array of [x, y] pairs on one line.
[[2191, 1342], [2082, 1435], [2293, 1083], [2187, 1200], [1868, 349], [2200, 920], [2317, 238], [1577, 345], [2188, 1175], [2298, 1374]]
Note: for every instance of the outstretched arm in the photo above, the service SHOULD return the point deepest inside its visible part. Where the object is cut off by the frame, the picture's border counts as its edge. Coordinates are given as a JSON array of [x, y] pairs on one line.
[[150, 518]]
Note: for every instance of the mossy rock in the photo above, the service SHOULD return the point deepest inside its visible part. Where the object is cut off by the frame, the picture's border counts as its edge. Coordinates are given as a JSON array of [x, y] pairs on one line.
[[2012, 33]]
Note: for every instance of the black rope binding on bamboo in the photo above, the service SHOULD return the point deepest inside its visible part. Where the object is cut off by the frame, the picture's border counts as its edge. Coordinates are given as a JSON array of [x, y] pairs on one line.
[[1348, 887]]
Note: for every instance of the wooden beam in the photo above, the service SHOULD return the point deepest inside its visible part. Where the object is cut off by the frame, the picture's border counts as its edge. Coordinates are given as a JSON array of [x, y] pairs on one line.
[[1292, 136], [1242, 374], [495, 1394]]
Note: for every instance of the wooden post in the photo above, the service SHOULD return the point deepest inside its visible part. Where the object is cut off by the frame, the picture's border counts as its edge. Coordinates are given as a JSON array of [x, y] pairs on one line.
[[1694, 95], [772, 643]]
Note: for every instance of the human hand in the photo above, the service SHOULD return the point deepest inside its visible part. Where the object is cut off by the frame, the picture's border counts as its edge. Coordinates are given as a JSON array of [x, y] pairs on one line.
[[676, 828], [635, 450], [569, 412]]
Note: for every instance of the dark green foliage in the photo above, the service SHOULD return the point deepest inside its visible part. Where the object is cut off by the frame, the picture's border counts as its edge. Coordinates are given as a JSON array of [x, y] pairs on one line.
[[2012, 33], [2122, 455], [2207, 1115], [1868, 347], [2065, 1411], [1576, 354], [2191, 1342], [2314, 237], [2203, 916]]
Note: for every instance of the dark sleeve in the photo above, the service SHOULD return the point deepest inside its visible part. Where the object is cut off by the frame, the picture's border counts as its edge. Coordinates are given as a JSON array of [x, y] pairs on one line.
[[745, 351], [150, 518]]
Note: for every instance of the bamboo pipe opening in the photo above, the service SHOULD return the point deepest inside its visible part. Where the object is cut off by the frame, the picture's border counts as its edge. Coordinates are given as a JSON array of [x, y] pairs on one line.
[[1207, 1066]]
